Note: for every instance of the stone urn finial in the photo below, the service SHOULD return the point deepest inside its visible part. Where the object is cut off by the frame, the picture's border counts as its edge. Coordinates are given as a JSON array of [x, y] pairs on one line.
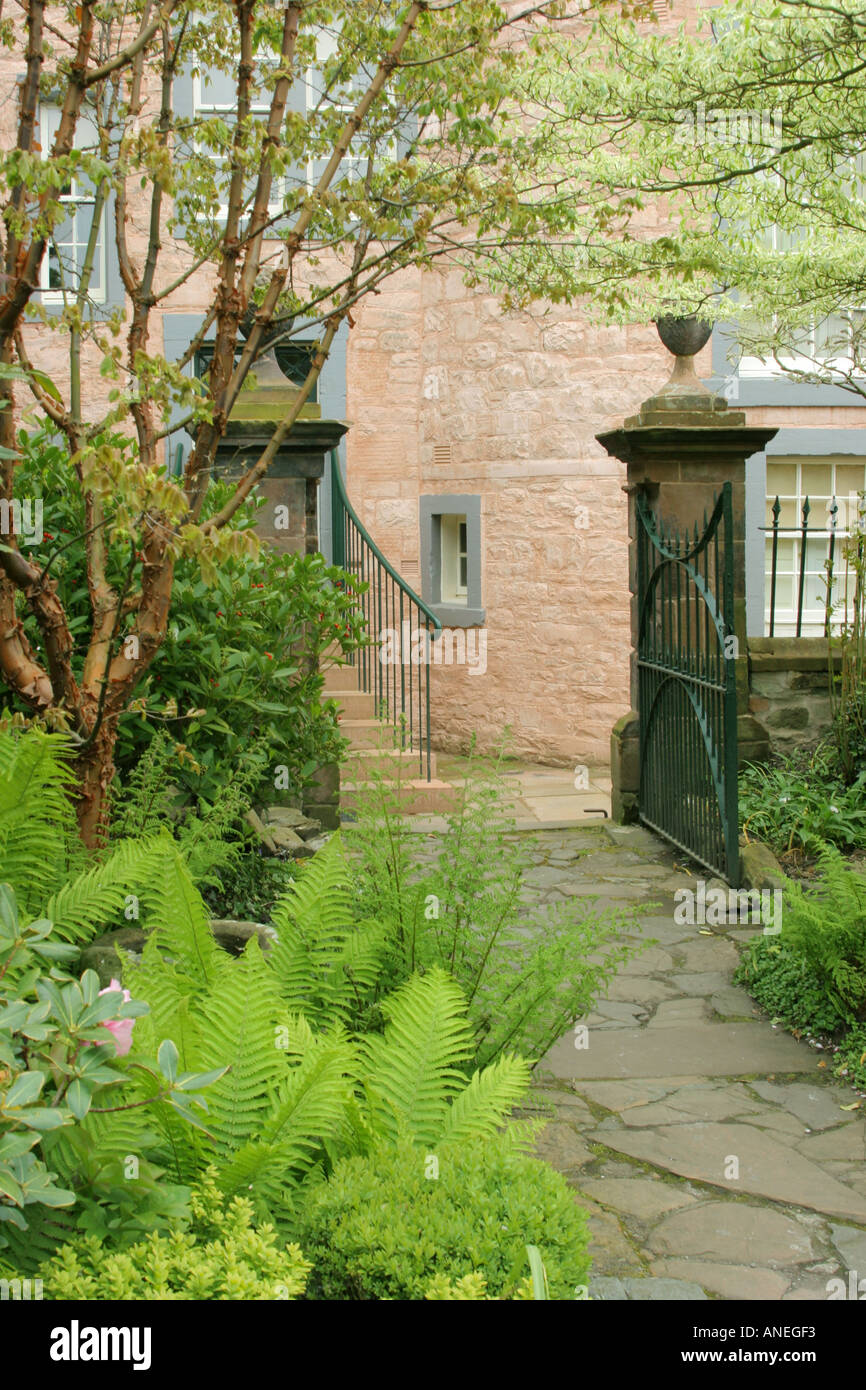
[[684, 337]]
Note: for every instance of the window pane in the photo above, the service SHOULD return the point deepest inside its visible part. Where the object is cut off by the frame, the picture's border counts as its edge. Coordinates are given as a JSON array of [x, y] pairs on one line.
[[781, 479]]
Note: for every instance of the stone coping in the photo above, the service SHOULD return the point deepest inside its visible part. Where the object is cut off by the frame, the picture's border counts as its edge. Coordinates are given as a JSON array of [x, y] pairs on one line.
[[791, 654]]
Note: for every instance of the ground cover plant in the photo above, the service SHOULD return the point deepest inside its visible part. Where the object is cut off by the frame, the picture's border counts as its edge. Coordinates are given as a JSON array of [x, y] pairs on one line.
[[812, 976], [800, 804]]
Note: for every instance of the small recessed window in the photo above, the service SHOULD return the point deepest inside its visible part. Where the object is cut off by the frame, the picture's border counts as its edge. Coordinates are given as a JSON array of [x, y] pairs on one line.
[[451, 558], [455, 565]]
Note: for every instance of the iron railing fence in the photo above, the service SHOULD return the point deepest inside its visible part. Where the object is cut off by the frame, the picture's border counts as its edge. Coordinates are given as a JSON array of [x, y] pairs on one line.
[[394, 664], [810, 589]]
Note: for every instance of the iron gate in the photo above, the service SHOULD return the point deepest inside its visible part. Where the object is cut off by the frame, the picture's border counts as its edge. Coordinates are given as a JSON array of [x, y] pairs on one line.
[[687, 695]]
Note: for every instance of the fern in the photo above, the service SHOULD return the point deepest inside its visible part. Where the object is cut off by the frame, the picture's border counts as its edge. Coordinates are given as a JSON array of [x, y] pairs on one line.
[[826, 926], [97, 896], [311, 1111], [238, 1026], [325, 965], [38, 839], [413, 1072], [483, 1105], [177, 915]]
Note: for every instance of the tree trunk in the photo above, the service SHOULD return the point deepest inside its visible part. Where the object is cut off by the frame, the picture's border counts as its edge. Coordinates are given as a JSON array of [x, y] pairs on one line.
[[95, 771]]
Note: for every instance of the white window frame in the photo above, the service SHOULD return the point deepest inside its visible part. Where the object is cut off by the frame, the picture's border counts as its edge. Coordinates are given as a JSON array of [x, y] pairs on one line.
[[214, 108], [819, 522], [49, 120], [798, 362], [326, 47], [454, 549]]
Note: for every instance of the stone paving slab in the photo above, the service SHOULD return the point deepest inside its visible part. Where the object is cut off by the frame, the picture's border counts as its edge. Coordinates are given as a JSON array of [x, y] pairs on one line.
[[767, 1167], [711, 1049], [643, 1290]]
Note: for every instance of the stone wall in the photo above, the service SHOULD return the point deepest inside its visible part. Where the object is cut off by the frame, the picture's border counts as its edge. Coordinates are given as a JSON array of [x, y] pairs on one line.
[[449, 394], [788, 680]]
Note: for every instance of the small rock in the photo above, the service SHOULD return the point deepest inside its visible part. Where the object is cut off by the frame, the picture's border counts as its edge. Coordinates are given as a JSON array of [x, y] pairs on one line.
[[284, 815], [318, 842], [607, 1288], [285, 839], [309, 830], [258, 826]]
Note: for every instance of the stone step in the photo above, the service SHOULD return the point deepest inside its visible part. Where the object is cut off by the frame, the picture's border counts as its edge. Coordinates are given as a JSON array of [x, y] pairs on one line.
[[417, 796], [355, 704], [366, 733], [340, 677], [361, 762]]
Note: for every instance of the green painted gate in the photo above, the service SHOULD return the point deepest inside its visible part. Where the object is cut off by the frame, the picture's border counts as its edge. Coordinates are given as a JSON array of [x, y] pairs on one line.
[[687, 696]]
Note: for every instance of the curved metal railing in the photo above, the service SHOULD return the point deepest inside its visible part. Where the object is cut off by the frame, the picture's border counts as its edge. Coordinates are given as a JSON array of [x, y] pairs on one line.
[[394, 665]]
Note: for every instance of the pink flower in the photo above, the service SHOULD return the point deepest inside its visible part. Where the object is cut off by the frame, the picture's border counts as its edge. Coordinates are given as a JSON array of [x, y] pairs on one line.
[[120, 1027]]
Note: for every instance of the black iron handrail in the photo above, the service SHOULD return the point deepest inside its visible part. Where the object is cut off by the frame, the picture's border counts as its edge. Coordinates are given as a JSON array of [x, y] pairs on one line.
[[394, 663]]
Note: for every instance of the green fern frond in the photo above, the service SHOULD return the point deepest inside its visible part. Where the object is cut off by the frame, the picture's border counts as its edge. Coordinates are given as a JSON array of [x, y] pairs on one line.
[[414, 1069], [238, 1023], [176, 913], [95, 899], [311, 1110], [38, 837], [483, 1106], [325, 964]]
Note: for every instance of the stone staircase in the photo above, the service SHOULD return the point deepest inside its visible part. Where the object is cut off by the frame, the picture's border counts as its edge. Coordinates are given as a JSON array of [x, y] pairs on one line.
[[372, 752]]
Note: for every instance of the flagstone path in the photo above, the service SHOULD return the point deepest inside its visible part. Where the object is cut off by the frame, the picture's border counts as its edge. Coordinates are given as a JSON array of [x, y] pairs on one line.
[[710, 1148]]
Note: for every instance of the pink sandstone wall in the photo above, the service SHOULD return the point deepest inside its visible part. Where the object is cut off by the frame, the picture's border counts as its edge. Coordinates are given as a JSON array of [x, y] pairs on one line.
[[518, 397]]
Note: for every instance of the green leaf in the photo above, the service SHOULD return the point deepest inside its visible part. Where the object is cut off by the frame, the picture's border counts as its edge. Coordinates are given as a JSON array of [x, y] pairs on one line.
[[78, 1098], [24, 1090], [43, 1118], [47, 385], [167, 1057]]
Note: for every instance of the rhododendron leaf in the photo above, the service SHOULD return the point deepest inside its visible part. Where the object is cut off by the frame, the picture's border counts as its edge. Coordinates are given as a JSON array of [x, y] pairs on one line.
[[78, 1098], [167, 1057]]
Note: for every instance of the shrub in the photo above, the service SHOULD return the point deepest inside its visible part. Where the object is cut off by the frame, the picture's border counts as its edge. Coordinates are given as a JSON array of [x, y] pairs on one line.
[[825, 925], [782, 983], [802, 803], [814, 974], [383, 1227], [223, 1255], [243, 655], [851, 1056]]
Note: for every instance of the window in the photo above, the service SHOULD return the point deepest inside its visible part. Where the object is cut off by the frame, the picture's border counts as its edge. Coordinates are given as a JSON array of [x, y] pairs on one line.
[[451, 558], [454, 562], [344, 102], [822, 480], [214, 96], [64, 259], [834, 342]]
